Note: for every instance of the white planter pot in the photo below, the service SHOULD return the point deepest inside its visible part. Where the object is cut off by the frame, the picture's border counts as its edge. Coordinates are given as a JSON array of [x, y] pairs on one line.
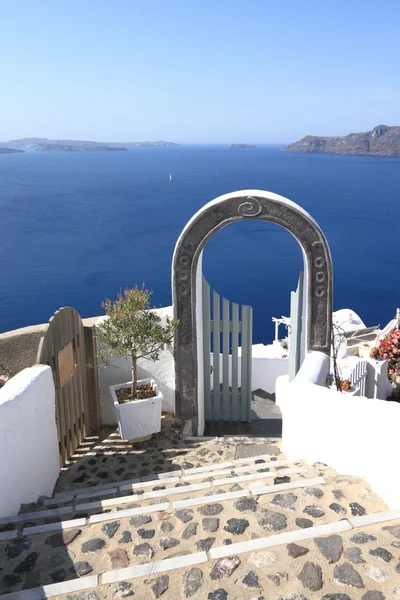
[[138, 418]]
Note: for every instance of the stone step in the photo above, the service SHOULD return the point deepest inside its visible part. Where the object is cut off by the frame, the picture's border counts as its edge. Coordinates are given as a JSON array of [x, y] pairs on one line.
[[211, 559], [183, 475]]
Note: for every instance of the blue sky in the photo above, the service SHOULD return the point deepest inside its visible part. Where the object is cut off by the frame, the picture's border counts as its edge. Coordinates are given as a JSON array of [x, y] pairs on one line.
[[197, 70]]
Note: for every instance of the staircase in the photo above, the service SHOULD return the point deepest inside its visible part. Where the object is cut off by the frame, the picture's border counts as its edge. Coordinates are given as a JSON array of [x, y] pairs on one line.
[[245, 528]]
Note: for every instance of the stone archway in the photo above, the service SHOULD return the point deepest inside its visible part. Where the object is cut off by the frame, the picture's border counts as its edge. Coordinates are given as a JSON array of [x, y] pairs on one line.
[[237, 206]]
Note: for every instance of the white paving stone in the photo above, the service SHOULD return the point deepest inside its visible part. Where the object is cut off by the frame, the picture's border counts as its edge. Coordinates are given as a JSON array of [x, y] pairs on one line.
[[40, 514], [378, 517], [54, 526], [129, 512], [179, 490], [255, 476], [8, 535], [165, 475], [207, 468], [269, 465], [155, 567], [206, 475], [146, 484], [258, 490], [279, 539], [54, 589], [210, 499], [251, 459], [96, 493]]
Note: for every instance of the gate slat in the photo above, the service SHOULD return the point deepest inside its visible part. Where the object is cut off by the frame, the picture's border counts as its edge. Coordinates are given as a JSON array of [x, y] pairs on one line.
[[62, 339], [245, 365], [225, 359], [73, 385], [235, 336], [216, 352], [206, 350]]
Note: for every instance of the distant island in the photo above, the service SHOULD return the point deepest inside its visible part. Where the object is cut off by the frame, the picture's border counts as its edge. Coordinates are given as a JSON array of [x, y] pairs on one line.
[[10, 151], [242, 146], [71, 148], [33, 143], [380, 141]]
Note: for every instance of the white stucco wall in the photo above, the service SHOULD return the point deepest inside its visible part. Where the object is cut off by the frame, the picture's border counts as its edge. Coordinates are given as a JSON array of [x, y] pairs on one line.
[[352, 434], [29, 458], [119, 371]]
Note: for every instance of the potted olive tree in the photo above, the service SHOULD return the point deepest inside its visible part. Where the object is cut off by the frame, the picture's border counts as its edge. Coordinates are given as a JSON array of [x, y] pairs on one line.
[[133, 329]]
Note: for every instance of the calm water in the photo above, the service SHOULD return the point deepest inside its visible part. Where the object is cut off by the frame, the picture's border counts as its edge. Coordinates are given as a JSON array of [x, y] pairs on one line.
[[75, 228]]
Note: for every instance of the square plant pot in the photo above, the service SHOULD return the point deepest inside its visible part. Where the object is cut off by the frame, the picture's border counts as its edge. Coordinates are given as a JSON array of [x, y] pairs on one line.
[[138, 418]]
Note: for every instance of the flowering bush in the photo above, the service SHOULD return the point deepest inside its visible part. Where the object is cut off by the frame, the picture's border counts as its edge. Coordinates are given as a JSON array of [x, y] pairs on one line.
[[389, 348]]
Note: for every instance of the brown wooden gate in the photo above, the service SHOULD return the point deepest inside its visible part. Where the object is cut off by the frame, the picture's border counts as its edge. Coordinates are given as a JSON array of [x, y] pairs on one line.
[[63, 348]]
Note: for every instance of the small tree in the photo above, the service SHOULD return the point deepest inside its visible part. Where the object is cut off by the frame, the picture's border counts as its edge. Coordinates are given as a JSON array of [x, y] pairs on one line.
[[134, 329]]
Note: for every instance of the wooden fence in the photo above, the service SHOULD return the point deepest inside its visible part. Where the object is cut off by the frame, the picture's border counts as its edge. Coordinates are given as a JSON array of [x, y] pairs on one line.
[[70, 351], [223, 342]]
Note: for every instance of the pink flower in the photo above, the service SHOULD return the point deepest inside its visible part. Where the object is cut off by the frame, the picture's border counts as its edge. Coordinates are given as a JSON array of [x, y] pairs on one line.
[[391, 371]]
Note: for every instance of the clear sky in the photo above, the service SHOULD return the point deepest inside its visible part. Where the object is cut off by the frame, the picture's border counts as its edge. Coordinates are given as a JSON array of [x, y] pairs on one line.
[[197, 70]]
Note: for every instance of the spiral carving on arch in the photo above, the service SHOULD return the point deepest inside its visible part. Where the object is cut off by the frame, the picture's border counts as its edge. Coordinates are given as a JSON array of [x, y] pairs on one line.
[[250, 207]]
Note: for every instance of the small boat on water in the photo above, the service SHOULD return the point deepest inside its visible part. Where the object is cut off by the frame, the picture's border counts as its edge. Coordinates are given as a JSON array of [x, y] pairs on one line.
[[170, 177]]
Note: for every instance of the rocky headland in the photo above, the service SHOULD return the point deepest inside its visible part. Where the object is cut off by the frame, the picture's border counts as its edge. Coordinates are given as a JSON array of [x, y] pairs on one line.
[[34, 143], [10, 151], [380, 141]]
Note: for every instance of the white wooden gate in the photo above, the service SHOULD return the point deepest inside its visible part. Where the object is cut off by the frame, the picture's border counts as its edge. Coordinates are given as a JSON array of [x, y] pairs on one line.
[[296, 332], [227, 344]]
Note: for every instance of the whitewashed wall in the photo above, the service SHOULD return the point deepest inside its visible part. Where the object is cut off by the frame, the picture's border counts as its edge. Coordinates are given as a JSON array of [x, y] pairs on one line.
[[29, 458], [119, 371], [352, 434]]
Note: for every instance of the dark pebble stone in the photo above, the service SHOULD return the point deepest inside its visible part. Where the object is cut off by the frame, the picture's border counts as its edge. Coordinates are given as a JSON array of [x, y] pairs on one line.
[[26, 565], [139, 520], [397, 568], [382, 553], [82, 478], [311, 576], [166, 527], [104, 460], [235, 488], [331, 547], [62, 538], [145, 464], [156, 488], [187, 465], [279, 480], [338, 494], [121, 459], [251, 580], [210, 524], [92, 461], [346, 573], [81, 568], [102, 474], [160, 585], [184, 515], [189, 531], [58, 558], [304, 523], [373, 595], [236, 526], [259, 461], [313, 491], [143, 550], [11, 580], [294, 550], [119, 471], [146, 534], [395, 545], [393, 529], [314, 511], [353, 554], [205, 545], [338, 596], [284, 500], [81, 468], [58, 575], [169, 542], [110, 529], [219, 594], [224, 567], [271, 520], [192, 582], [93, 545], [338, 508], [125, 538], [227, 542], [123, 590], [210, 510], [362, 538], [357, 510], [245, 504], [17, 547]]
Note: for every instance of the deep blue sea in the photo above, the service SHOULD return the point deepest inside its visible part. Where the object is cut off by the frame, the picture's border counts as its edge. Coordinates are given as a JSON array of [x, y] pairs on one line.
[[75, 228]]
